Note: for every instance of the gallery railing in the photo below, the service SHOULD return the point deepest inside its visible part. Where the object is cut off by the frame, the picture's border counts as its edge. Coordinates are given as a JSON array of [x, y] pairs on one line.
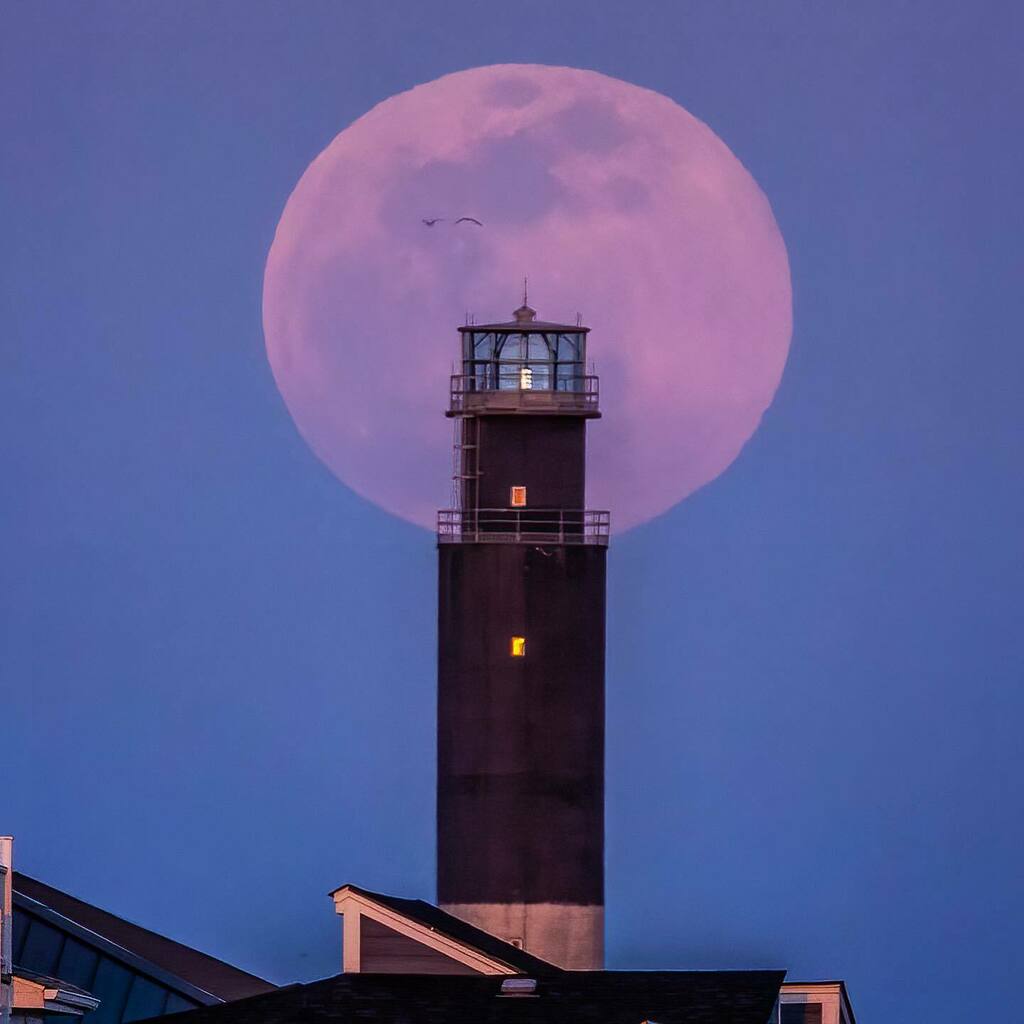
[[524, 392], [522, 525]]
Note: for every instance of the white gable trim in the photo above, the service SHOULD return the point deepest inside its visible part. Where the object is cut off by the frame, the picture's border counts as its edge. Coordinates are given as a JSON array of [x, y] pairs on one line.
[[352, 906]]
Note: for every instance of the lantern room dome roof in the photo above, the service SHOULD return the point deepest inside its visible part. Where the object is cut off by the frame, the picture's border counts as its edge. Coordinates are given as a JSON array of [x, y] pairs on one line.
[[524, 322]]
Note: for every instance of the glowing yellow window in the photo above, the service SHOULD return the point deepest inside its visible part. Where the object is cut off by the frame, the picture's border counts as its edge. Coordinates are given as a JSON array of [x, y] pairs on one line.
[[518, 499], [518, 646]]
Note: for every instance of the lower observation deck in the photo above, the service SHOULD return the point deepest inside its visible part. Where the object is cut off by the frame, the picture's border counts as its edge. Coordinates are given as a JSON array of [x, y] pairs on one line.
[[522, 526]]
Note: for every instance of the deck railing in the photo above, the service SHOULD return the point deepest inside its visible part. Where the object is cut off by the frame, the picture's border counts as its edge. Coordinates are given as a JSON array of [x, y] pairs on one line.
[[522, 526], [571, 394]]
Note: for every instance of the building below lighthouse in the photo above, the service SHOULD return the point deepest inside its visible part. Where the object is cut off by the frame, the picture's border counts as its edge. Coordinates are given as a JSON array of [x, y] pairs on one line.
[[521, 643]]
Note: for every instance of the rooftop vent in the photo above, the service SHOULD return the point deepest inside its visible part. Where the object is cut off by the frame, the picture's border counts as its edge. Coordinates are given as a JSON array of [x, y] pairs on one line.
[[519, 987]]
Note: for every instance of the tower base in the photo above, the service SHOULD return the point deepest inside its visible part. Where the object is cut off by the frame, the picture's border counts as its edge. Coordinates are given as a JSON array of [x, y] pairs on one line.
[[565, 934]]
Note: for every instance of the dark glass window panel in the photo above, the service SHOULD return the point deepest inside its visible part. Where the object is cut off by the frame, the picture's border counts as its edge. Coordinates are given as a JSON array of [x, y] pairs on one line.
[[19, 927], [482, 374], [508, 376], [78, 964], [42, 948], [145, 999], [537, 347], [482, 346], [176, 1003], [512, 346], [569, 347], [111, 987], [801, 1013], [540, 377], [569, 377]]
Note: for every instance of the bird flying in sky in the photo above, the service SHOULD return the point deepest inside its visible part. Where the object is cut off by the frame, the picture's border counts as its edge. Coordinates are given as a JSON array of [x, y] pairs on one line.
[[431, 221], [472, 220]]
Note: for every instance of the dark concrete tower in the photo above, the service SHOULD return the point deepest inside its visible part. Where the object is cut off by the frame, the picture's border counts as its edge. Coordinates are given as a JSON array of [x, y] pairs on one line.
[[521, 624]]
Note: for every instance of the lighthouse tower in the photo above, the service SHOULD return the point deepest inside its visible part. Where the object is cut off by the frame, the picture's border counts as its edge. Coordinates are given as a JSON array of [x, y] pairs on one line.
[[521, 637]]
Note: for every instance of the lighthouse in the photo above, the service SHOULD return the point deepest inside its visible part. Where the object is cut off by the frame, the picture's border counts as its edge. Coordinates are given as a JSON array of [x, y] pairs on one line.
[[521, 646]]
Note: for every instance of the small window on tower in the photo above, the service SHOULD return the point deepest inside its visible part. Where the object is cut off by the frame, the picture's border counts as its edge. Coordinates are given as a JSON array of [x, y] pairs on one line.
[[518, 497], [519, 647]]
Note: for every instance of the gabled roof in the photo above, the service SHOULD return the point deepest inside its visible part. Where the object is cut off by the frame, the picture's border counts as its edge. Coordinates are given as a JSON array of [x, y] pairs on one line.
[[503, 956], [565, 997], [136, 945]]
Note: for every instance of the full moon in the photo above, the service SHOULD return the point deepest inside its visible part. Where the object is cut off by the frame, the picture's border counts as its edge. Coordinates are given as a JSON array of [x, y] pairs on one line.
[[614, 202]]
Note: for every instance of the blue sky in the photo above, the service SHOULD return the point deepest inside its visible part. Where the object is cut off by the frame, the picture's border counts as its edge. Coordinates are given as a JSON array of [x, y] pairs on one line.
[[217, 663]]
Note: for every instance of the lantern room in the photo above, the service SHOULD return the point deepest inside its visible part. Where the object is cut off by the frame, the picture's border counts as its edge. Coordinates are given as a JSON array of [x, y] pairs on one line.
[[524, 365]]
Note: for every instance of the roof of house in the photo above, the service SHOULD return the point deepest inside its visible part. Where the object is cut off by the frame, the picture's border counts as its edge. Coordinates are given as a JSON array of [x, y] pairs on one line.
[[565, 997], [40, 992], [460, 931], [201, 971], [47, 982]]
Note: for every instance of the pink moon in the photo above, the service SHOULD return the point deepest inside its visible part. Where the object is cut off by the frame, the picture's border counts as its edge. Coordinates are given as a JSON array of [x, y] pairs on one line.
[[613, 200]]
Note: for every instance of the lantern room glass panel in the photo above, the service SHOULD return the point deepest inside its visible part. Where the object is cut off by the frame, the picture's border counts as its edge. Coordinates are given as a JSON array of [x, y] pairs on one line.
[[524, 360]]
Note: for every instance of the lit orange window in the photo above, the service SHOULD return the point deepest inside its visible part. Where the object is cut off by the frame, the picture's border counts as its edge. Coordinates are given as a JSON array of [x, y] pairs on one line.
[[518, 646], [518, 499]]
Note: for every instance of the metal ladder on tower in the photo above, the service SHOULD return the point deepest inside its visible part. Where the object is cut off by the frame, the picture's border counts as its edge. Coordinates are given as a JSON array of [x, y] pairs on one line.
[[466, 461]]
